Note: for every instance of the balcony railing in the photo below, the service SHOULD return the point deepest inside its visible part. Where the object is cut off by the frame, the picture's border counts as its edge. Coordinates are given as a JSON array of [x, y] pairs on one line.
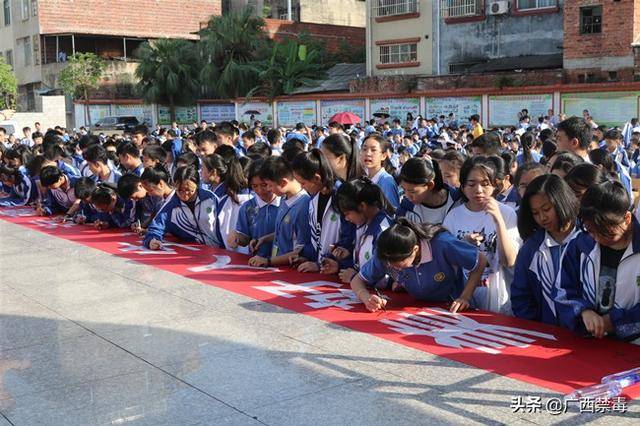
[[461, 8], [383, 8]]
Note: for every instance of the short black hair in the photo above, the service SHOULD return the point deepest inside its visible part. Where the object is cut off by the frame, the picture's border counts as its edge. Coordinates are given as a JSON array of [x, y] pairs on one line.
[[50, 175], [560, 195], [206, 136], [488, 143], [613, 134], [128, 184], [96, 154], [577, 128], [275, 169], [605, 204], [128, 148], [141, 129], [84, 187]]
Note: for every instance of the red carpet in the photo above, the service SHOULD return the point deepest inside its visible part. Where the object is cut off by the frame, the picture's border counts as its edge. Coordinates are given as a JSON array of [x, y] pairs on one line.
[[535, 353]]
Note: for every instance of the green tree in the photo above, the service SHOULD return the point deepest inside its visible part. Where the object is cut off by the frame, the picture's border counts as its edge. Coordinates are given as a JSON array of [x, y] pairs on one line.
[[8, 86], [231, 46], [81, 75], [291, 66], [168, 73]]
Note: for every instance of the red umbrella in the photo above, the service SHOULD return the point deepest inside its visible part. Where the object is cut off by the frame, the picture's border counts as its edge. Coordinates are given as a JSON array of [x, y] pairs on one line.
[[345, 118]]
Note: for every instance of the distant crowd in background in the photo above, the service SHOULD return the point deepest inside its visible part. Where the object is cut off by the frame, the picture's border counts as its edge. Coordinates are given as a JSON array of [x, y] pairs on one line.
[[536, 220]]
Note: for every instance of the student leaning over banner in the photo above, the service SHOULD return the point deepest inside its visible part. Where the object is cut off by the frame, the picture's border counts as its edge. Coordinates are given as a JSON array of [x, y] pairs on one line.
[[427, 261], [598, 291], [190, 214]]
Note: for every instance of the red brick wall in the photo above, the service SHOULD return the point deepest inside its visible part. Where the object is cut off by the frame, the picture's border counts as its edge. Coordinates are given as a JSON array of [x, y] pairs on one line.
[[331, 34], [619, 21], [133, 18]]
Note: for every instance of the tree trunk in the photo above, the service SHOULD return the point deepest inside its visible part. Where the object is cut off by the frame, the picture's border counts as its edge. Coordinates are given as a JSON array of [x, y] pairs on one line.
[[172, 110], [87, 111]]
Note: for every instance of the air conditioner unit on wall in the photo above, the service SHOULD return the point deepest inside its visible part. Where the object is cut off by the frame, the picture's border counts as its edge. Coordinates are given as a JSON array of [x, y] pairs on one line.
[[499, 7]]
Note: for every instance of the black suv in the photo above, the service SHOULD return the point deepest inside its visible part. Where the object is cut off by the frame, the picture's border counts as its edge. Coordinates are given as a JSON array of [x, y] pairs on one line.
[[125, 123]]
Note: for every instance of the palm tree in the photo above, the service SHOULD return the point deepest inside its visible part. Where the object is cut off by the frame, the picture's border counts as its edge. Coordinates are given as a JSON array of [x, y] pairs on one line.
[[231, 46], [168, 73], [289, 67]]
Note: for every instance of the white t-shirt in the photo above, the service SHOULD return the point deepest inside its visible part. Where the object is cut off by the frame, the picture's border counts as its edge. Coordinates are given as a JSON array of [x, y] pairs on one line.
[[228, 218], [496, 279]]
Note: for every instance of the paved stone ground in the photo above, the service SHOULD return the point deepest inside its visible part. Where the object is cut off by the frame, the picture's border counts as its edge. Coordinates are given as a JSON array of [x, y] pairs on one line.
[[88, 338]]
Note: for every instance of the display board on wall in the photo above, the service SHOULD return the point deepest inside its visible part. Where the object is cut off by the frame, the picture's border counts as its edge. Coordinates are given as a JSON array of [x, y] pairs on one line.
[[610, 108], [462, 107], [251, 111], [184, 115], [291, 113], [96, 111], [329, 108], [396, 108], [215, 113], [503, 110], [144, 113]]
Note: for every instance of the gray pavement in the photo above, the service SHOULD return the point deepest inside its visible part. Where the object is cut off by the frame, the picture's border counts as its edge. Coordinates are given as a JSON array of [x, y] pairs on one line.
[[88, 338]]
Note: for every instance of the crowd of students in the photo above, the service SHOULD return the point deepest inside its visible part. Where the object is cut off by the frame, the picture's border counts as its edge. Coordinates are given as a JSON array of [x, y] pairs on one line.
[[535, 221]]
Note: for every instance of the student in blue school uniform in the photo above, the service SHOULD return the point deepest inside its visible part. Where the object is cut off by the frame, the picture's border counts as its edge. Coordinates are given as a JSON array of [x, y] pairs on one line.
[[98, 162], [113, 210], [230, 183], [82, 211], [129, 157], [598, 292], [256, 217], [374, 155], [427, 199], [292, 232], [329, 229], [157, 181], [60, 193], [364, 205], [428, 262], [190, 214], [130, 188], [529, 153], [507, 192], [547, 223], [20, 186]]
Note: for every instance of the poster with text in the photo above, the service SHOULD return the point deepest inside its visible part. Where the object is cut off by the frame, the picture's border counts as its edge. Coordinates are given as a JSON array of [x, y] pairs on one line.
[[143, 113], [462, 107], [610, 108], [252, 111], [216, 113], [96, 111], [396, 108], [330, 108], [184, 115], [291, 113], [503, 110]]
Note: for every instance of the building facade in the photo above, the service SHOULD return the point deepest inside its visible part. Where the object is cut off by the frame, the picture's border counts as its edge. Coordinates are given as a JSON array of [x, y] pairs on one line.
[[348, 13], [37, 36], [436, 37]]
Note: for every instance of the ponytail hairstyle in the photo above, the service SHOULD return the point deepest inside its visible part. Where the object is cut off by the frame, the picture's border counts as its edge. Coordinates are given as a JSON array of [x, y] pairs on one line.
[[583, 176], [527, 141], [385, 148], [189, 159], [561, 197], [308, 164], [602, 159], [419, 171], [156, 174], [340, 144], [352, 193], [565, 161], [231, 174], [104, 194], [396, 243]]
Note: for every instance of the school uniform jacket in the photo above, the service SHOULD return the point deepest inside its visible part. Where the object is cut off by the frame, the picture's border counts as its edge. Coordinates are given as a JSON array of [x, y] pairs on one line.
[[59, 200], [333, 230], [366, 237], [536, 271], [292, 224], [422, 214], [578, 284], [389, 187], [122, 216], [176, 218], [439, 276], [256, 219], [22, 193]]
